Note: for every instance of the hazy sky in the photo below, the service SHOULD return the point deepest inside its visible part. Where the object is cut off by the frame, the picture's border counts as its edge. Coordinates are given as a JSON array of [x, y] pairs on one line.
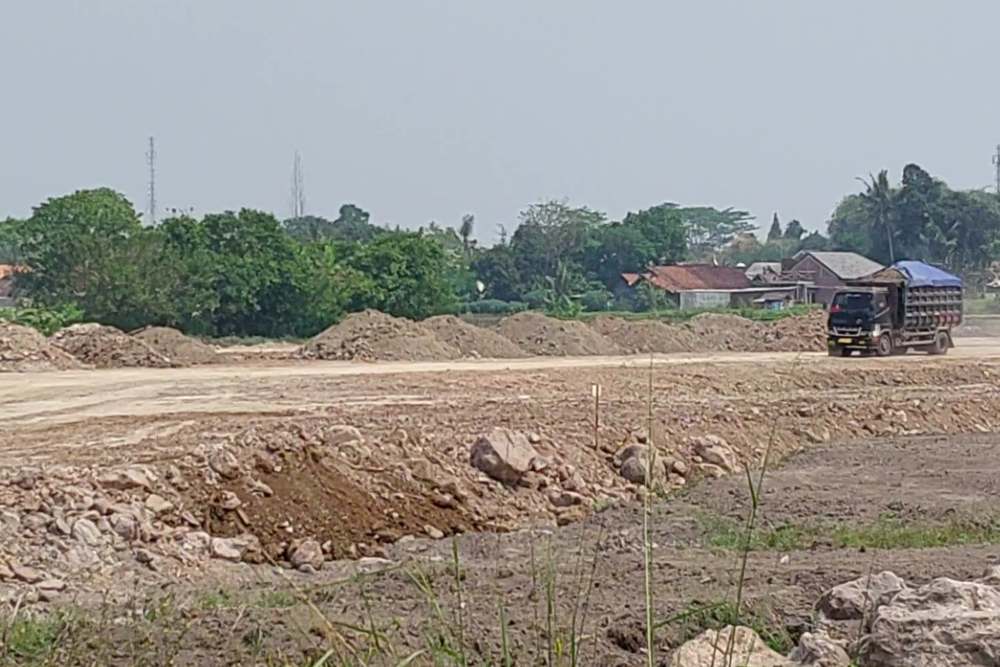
[[423, 110]]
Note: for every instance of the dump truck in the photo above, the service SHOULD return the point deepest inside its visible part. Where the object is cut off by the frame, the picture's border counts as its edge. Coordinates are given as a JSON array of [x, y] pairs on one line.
[[907, 306]]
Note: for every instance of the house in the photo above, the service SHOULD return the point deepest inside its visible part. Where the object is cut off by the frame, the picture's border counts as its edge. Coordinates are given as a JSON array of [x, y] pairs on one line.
[[826, 272], [706, 286], [764, 272], [7, 285]]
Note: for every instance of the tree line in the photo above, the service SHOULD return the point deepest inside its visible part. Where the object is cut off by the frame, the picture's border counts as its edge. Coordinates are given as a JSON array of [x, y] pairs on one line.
[[248, 273]]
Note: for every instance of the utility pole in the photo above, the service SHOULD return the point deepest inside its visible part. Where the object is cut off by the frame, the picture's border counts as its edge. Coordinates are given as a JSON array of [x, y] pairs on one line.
[[298, 188], [151, 192], [996, 163]]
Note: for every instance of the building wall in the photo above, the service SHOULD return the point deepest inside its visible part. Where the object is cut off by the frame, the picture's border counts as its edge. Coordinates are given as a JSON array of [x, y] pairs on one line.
[[704, 300], [827, 283]]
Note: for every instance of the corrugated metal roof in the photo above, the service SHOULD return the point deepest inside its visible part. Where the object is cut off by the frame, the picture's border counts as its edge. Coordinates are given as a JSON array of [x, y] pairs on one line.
[[758, 268], [845, 265], [677, 278]]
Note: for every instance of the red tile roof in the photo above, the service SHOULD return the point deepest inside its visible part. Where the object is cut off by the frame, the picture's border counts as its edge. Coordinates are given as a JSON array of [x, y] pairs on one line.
[[681, 277]]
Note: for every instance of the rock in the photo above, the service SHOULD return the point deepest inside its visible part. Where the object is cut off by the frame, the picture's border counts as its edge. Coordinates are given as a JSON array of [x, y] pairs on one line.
[[224, 463], [565, 498], [85, 531], [229, 501], [336, 436], [5, 572], [197, 541], [633, 470], [306, 553], [124, 479], [125, 527], [144, 556], [712, 470], [245, 547], [444, 501], [259, 487], [28, 575], [158, 504], [860, 598], [534, 438], [504, 455], [433, 533], [713, 449], [818, 650], [679, 467], [709, 650], [36, 521], [945, 623], [52, 584]]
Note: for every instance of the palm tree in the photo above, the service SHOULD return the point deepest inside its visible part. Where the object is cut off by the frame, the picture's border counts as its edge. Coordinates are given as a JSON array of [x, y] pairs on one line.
[[465, 231], [878, 196]]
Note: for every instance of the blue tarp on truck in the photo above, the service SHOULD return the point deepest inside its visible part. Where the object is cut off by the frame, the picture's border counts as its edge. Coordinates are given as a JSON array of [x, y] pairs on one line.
[[919, 274]]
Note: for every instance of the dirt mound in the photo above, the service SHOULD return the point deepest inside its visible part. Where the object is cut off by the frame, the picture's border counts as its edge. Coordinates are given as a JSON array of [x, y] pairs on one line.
[[546, 336], [727, 333], [798, 334], [645, 336], [473, 341], [24, 349], [375, 336], [107, 347], [177, 347], [313, 479]]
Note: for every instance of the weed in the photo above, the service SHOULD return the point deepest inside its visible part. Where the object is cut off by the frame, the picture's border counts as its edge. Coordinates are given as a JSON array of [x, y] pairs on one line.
[[31, 637], [276, 600]]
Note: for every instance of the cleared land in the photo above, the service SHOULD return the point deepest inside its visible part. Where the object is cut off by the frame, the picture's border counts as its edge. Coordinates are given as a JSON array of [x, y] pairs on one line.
[[885, 464]]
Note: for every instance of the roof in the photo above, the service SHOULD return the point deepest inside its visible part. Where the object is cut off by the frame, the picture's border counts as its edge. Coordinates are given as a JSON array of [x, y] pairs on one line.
[[631, 278], [679, 278], [919, 274], [758, 268], [7, 270], [845, 265]]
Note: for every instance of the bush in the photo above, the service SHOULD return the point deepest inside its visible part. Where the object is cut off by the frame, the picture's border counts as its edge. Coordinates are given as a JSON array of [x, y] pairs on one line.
[[46, 320], [493, 307], [595, 300]]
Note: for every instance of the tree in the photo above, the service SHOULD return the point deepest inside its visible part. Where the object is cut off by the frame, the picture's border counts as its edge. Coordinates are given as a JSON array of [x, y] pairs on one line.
[[552, 232], [774, 234], [878, 199], [497, 268], [10, 230], [652, 236], [90, 249], [465, 231], [351, 225], [710, 230], [406, 273], [794, 231]]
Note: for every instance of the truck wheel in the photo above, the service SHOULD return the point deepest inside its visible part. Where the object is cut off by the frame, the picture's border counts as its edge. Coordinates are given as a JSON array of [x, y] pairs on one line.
[[940, 344], [884, 348]]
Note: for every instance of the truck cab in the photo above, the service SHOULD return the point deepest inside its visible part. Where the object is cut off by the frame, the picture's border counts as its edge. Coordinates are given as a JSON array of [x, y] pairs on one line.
[[861, 319]]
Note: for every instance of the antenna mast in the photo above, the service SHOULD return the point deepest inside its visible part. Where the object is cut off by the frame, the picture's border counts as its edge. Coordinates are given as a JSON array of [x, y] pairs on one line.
[[151, 161], [996, 163], [298, 188]]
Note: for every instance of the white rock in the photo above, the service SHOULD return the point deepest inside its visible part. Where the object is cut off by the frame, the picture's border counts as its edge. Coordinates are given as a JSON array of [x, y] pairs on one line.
[[85, 531], [818, 650], [157, 504], [306, 552], [946, 623], [860, 598], [709, 649], [124, 479], [504, 455]]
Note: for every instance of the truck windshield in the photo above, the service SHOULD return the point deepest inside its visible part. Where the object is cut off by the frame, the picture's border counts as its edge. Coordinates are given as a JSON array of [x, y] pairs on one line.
[[852, 301]]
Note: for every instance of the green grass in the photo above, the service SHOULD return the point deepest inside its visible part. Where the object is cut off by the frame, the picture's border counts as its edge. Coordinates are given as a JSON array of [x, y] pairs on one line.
[[696, 618], [677, 316], [884, 533], [989, 305], [32, 637]]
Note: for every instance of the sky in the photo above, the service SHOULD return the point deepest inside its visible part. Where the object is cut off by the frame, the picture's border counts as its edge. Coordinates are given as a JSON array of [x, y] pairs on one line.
[[421, 110]]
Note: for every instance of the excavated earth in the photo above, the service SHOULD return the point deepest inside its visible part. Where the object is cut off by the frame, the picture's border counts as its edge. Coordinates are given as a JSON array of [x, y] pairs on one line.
[[258, 503]]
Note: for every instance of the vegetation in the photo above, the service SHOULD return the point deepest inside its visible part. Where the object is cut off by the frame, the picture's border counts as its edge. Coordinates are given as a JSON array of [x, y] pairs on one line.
[[246, 273]]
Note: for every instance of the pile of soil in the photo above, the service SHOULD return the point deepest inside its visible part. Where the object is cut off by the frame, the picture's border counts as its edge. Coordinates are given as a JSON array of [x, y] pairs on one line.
[[375, 336], [177, 347], [546, 336], [24, 349], [798, 334], [107, 347], [645, 336], [726, 333], [473, 341]]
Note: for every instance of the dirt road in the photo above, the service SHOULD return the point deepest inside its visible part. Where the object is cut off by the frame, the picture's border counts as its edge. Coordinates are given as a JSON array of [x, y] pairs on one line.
[[71, 395]]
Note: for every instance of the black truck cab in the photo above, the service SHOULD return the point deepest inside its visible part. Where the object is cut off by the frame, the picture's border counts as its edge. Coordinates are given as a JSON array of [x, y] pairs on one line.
[[862, 318]]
